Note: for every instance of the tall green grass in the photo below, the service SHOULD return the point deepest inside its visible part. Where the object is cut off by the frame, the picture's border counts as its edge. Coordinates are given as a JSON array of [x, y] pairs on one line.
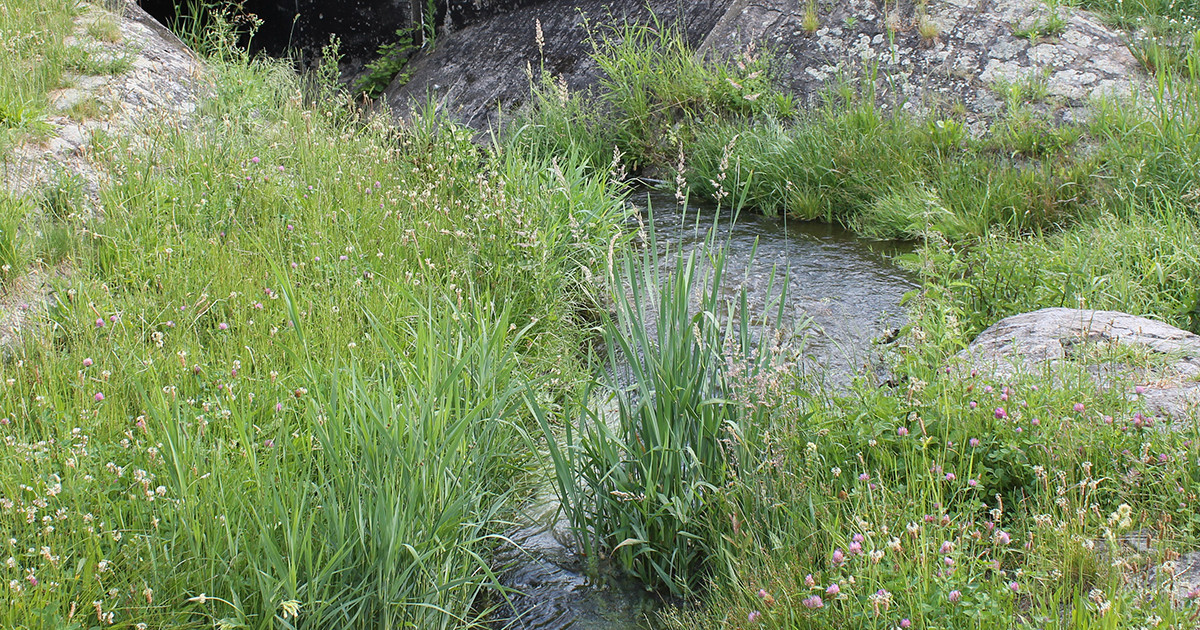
[[376, 507], [276, 389], [641, 476]]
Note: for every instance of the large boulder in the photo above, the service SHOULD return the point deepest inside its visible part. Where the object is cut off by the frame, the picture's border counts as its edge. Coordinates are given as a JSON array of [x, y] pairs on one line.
[[929, 55], [1122, 350], [938, 53], [476, 72]]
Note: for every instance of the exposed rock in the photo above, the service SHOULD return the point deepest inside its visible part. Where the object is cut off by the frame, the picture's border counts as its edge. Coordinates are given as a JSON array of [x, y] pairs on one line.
[[948, 52], [1180, 578], [163, 82], [1039, 342], [483, 69]]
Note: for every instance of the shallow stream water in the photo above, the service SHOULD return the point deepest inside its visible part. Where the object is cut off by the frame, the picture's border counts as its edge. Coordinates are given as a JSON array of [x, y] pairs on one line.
[[845, 292]]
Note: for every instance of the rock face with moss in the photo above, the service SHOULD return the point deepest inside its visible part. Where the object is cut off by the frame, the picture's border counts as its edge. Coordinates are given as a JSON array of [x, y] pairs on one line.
[[941, 53], [1117, 348], [969, 55]]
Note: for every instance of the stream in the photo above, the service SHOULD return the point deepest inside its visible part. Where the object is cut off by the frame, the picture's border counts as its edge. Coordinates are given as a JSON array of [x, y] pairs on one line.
[[842, 292]]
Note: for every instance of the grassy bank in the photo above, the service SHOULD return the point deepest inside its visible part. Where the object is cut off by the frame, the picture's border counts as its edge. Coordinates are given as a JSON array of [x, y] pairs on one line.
[[297, 370], [283, 382], [953, 500]]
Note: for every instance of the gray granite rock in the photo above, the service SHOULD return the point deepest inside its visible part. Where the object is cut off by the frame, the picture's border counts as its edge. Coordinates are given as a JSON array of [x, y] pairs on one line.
[[915, 56], [1039, 341]]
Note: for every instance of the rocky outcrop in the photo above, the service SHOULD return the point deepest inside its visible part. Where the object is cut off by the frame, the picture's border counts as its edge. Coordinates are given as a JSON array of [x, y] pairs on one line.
[[1155, 361], [163, 81], [939, 53], [477, 72], [928, 55]]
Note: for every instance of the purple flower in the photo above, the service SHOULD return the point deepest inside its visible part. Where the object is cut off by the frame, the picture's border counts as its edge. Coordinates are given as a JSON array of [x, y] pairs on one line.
[[955, 596], [972, 482], [855, 548], [905, 623], [838, 556], [902, 431], [813, 602], [223, 326], [99, 397], [973, 442], [1078, 407], [87, 362], [269, 443], [99, 322], [864, 477], [753, 616], [278, 407], [974, 404], [255, 159], [1001, 413], [1016, 588], [833, 590], [950, 477]]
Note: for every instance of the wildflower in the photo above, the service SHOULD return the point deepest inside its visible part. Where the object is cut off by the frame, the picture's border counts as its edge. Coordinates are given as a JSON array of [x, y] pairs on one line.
[[1078, 407], [1002, 538], [809, 581], [855, 548], [838, 556], [833, 590], [902, 431], [87, 362], [913, 528], [99, 397], [813, 602], [1014, 587], [894, 545], [1001, 413], [99, 322], [950, 476], [767, 598], [955, 596], [754, 616], [905, 623], [223, 326], [256, 161], [972, 482], [947, 547], [973, 442], [974, 404], [290, 608], [278, 407], [864, 477]]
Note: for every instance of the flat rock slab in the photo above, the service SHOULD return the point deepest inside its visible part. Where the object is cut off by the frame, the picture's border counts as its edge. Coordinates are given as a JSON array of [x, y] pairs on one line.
[[1040, 341]]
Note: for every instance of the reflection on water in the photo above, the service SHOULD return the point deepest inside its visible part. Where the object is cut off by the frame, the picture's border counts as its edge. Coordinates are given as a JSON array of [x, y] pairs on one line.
[[843, 286]]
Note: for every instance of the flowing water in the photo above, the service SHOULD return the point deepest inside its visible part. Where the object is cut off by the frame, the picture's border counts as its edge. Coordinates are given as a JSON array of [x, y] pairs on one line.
[[844, 293]]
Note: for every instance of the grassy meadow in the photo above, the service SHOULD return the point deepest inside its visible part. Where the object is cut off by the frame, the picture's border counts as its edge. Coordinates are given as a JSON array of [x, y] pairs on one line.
[[302, 364]]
